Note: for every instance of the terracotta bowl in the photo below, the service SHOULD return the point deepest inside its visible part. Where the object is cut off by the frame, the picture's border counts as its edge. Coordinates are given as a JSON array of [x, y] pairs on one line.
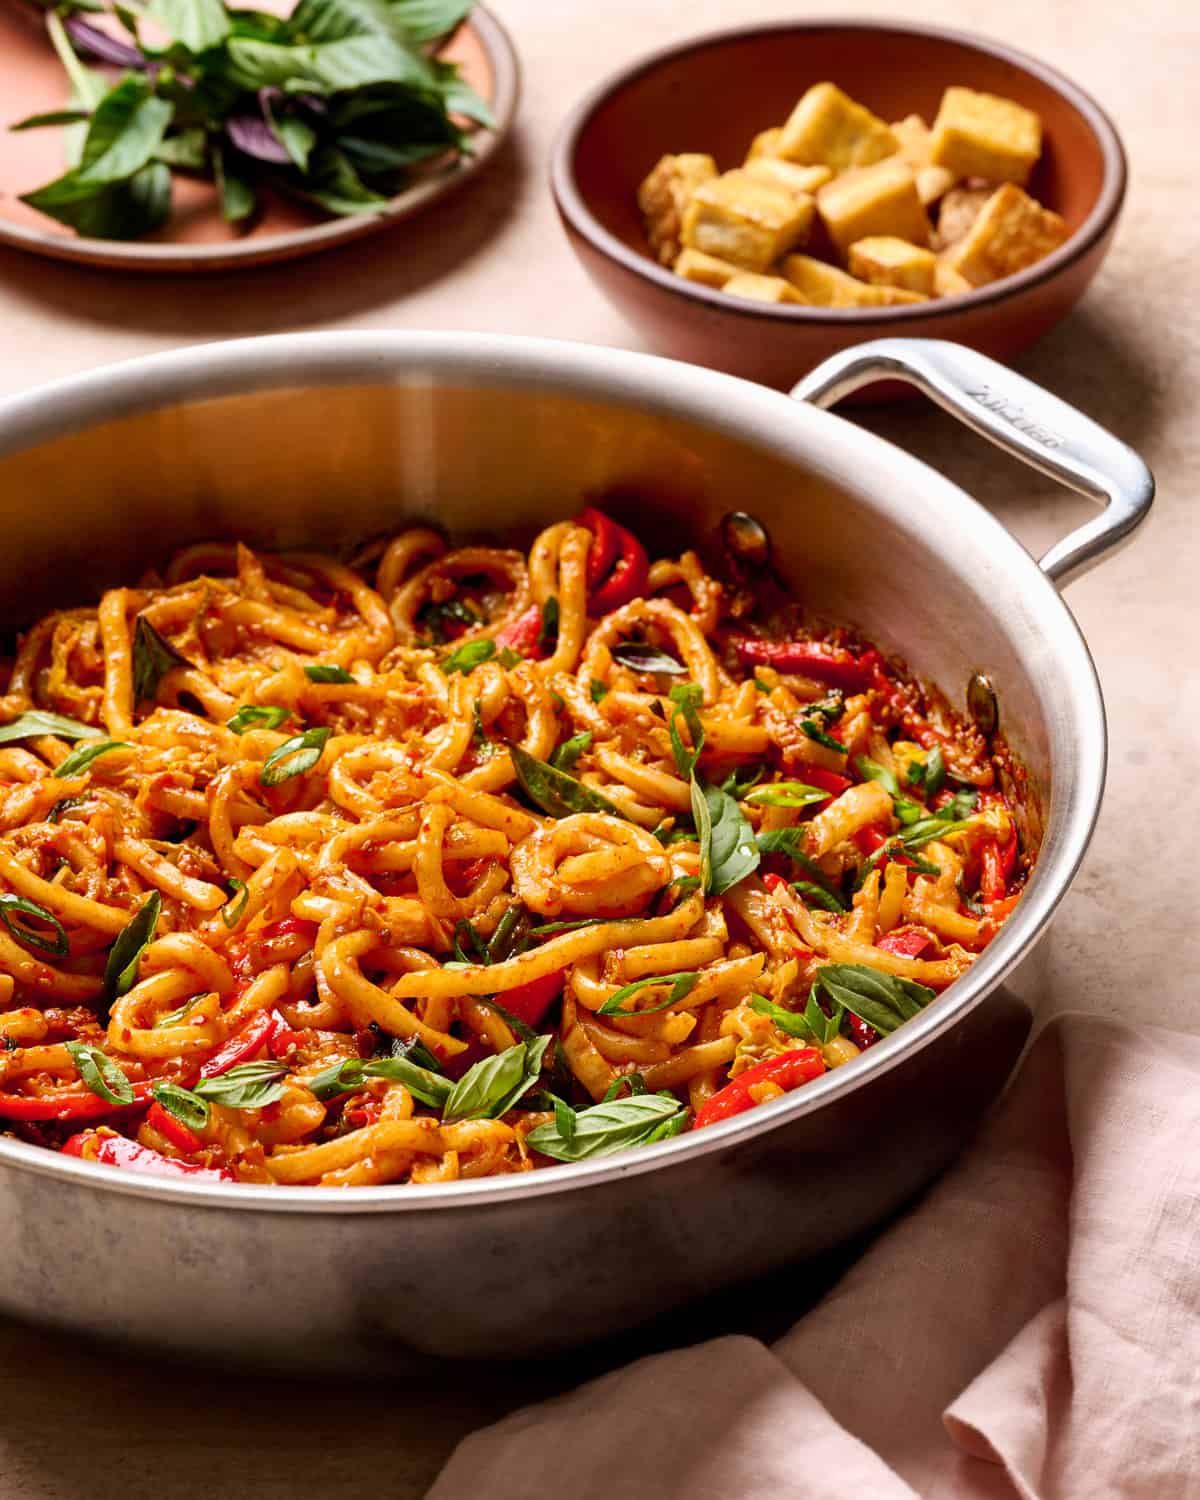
[[716, 93]]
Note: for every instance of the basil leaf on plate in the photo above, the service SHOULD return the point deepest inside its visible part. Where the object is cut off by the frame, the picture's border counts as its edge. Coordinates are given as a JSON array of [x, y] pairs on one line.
[[728, 852], [125, 955], [294, 757], [258, 716], [493, 1086], [607, 1128], [881, 1000], [554, 791], [250, 1085], [33, 723], [188, 1108], [468, 656], [153, 658], [639, 657], [322, 673], [101, 1073], [82, 756], [682, 984], [56, 943]]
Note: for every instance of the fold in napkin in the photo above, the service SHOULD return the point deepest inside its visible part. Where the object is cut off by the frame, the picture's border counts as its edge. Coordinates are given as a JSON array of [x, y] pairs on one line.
[[1031, 1328]]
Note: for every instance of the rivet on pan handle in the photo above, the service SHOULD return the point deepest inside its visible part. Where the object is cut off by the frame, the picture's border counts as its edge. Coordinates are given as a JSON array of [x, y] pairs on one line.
[[1017, 416]]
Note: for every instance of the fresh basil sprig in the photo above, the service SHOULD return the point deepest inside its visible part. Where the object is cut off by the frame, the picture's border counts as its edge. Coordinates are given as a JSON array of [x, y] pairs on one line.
[[881, 1000], [682, 984], [82, 756], [554, 791], [153, 658], [101, 1073], [57, 943], [728, 852], [258, 716], [323, 673], [125, 955], [294, 757], [188, 1108], [349, 1076], [468, 656], [639, 657], [493, 1086], [810, 1025], [604, 1129], [250, 1085], [34, 722]]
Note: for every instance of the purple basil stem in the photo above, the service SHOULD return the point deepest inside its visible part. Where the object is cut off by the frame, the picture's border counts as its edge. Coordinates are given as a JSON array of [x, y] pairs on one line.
[[104, 48], [252, 135]]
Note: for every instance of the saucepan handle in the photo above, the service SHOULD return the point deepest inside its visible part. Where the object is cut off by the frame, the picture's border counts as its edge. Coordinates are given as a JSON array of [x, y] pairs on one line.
[[1017, 416]]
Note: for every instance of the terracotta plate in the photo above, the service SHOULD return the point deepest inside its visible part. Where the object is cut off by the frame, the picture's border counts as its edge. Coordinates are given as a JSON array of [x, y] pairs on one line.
[[197, 238]]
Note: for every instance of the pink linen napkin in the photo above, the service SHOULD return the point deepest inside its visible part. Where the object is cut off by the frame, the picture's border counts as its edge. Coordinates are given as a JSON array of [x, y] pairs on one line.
[[1030, 1329]]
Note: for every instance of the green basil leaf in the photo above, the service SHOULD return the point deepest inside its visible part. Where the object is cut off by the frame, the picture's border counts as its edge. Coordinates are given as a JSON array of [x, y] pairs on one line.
[[81, 758], [235, 908], [634, 1081], [554, 791], [682, 984], [787, 1021], [569, 751], [639, 657], [605, 1129], [153, 658], [688, 696], [344, 1077], [251, 1085], [255, 716], [29, 937], [871, 770], [819, 895], [598, 690], [815, 733], [407, 21], [33, 723], [822, 1026], [564, 1119], [421, 1082], [786, 794], [547, 638], [239, 200], [188, 1108], [101, 1073], [66, 805], [187, 149], [326, 68], [493, 1086], [294, 757], [126, 130], [125, 955], [935, 771], [322, 673], [198, 24], [54, 117], [297, 136], [470, 655], [728, 852], [881, 1000]]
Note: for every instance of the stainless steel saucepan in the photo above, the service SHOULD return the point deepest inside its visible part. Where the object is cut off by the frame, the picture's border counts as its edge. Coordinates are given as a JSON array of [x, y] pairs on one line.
[[330, 438]]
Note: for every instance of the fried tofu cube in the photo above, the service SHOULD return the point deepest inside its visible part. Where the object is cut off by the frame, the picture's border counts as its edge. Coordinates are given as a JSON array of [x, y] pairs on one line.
[[765, 143], [664, 195], [982, 135], [694, 265], [762, 288], [787, 175], [1012, 231], [738, 218], [960, 208], [881, 199], [884, 260], [828, 128], [947, 282], [824, 285], [914, 137]]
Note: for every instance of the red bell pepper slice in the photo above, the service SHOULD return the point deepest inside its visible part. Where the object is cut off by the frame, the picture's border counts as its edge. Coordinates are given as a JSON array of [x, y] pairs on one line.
[[997, 860], [530, 1002], [828, 781], [863, 1035], [787, 1071], [605, 544], [69, 1104], [910, 943], [830, 664], [172, 1129], [522, 633], [119, 1151], [242, 1046], [627, 579]]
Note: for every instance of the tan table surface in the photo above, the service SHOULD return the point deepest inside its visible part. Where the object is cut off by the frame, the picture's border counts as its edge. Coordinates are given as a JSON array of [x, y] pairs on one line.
[[74, 1423]]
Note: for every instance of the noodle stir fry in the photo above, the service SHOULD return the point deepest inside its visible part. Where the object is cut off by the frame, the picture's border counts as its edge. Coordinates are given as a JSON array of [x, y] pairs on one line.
[[446, 864]]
